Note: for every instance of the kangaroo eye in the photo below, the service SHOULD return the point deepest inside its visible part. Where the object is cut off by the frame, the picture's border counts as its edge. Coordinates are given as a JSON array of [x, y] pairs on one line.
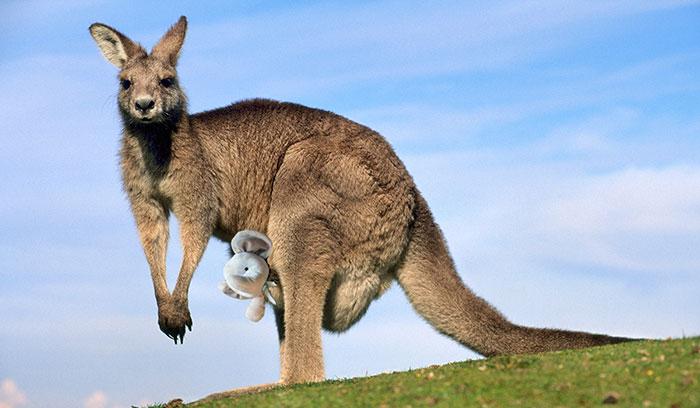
[[167, 82], [125, 84]]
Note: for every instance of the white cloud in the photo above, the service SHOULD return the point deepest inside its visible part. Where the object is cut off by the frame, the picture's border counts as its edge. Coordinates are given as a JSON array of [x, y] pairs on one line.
[[97, 399], [634, 219], [593, 135], [10, 394], [640, 219], [570, 245], [631, 201], [417, 124]]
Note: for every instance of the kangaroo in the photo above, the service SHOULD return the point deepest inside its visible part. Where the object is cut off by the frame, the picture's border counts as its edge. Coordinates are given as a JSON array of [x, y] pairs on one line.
[[343, 213]]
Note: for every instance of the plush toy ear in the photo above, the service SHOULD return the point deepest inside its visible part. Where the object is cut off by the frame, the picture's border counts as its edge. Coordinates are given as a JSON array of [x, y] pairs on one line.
[[252, 241]]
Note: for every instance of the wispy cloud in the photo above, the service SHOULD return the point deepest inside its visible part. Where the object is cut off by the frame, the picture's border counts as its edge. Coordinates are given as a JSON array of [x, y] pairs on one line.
[[298, 53], [635, 219], [447, 124]]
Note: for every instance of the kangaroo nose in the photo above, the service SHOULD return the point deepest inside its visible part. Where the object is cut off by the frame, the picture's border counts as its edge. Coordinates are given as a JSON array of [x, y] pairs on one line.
[[144, 104]]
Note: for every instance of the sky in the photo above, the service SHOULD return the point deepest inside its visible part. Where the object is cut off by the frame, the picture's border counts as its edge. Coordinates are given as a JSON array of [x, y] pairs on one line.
[[557, 143]]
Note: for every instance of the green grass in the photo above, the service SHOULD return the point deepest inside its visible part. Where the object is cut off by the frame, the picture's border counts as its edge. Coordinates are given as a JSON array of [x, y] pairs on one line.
[[639, 374]]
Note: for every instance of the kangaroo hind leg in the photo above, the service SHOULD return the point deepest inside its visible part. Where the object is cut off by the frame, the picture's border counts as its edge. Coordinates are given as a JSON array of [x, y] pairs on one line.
[[305, 276]]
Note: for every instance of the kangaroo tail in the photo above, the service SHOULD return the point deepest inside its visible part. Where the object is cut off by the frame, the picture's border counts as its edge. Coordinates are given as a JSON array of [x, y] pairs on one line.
[[428, 277]]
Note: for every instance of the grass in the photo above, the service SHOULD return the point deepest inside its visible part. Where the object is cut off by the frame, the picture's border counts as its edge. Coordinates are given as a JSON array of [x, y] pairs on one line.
[[639, 374]]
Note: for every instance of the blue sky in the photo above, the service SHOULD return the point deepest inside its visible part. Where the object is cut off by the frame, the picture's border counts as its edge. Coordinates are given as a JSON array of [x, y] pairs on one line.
[[557, 144]]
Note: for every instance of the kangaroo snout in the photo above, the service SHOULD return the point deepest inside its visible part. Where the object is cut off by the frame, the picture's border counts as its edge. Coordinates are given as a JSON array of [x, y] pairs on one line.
[[144, 104]]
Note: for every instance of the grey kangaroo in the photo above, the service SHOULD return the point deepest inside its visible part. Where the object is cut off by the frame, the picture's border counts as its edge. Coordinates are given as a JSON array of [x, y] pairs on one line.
[[344, 215]]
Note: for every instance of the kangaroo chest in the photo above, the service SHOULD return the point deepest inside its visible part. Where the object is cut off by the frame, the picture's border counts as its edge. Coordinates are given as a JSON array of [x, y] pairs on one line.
[[153, 168]]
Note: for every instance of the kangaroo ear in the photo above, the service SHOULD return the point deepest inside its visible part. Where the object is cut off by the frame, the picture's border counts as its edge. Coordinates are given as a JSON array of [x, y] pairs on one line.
[[168, 48], [252, 241], [115, 46]]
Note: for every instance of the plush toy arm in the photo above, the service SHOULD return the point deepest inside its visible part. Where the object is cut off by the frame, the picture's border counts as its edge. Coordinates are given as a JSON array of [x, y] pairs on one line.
[[268, 294], [226, 290], [256, 309]]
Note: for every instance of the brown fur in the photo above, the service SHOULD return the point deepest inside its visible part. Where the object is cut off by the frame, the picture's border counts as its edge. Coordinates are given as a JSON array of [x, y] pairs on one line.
[[342, 211]]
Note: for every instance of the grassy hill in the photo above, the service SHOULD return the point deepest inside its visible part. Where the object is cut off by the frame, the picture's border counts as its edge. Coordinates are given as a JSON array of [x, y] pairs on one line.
[[639, 374]]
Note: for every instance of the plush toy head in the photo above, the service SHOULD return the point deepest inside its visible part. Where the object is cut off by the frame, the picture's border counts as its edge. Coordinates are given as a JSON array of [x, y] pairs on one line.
[[246, 273]]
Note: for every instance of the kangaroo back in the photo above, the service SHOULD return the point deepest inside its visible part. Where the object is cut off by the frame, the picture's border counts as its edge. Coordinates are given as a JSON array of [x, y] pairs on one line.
[[429, 278]]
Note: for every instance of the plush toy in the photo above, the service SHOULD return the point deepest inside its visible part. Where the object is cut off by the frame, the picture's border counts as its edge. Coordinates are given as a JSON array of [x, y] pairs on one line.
[[246, 273]]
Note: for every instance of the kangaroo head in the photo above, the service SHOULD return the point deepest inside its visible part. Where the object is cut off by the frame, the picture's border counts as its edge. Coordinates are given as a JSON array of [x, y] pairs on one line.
[[149, 91]]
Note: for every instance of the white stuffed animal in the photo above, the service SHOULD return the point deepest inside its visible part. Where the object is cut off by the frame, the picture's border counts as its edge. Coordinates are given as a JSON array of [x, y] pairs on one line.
[[246, 273]]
